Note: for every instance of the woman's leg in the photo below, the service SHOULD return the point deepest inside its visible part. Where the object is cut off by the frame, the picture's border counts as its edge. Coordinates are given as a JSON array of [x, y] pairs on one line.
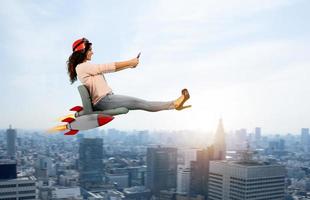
[[112, 101]]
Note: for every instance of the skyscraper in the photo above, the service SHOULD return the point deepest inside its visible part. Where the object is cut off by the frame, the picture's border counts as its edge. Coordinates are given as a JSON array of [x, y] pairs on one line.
[[183, 180], [11, 142], [305, 131], [305, 140], [43, 167], [161, 169], [246, 180], [258, 134], [219, 143], [241, 136], [200, 167], [305, 137], [90, 162], [200, 172], [13, 187], [185, 158]]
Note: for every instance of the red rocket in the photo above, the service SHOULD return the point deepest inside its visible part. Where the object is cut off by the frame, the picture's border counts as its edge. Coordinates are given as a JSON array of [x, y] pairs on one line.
[[83, 122]]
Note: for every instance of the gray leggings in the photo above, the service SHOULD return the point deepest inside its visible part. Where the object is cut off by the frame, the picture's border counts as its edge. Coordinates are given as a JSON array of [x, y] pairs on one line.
[[112, 101]]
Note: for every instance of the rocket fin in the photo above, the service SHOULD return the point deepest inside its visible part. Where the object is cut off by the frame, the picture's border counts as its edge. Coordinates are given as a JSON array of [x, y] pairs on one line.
[[102, 120], [72, 132], [77, 108], [64, 117], [68, 119]]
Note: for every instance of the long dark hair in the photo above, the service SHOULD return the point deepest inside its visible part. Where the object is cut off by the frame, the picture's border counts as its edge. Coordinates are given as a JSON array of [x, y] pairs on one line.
[[77, 57]]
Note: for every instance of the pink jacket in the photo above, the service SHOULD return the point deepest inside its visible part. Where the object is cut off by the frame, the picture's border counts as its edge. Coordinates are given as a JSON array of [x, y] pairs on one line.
[[91, 75]]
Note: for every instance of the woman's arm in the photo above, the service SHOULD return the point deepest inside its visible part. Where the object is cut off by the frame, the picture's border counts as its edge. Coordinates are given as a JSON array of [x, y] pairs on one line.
[[94, 69], [132, 63]]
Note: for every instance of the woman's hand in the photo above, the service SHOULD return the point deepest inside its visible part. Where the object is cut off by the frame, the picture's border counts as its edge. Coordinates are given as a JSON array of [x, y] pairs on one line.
[[134, 62]]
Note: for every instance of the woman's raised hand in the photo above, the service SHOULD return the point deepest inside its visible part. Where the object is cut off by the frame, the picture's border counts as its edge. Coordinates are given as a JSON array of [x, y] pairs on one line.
[[134, 62]]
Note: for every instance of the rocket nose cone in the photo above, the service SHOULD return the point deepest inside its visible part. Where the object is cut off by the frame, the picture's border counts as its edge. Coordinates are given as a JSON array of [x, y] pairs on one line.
[[104, 119]]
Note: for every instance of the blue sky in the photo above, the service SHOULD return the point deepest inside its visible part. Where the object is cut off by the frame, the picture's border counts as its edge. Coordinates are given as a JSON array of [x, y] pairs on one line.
[[245, 61]]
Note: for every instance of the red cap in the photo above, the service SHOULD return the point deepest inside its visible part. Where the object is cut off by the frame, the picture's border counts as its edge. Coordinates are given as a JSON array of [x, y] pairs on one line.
[[78, 45]]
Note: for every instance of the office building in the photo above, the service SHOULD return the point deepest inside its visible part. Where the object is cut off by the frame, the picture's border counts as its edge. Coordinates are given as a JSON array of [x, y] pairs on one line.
[[258, 134], [200, 167], [137, 193], [305, 140], [161, 169], [241, 137], [137, 176], [119, 180], [186, 156], [43, 167], [91, 162], [200, 172], [11, 142], [183, 180], [246, 180], [13, 187], [67, 193]]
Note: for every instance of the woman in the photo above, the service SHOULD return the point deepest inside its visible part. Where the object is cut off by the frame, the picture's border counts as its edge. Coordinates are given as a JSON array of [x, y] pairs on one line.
[[91, 75]]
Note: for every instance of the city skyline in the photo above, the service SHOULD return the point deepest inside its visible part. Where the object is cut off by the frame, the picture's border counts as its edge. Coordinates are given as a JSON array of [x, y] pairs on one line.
[[246, 61], [209, 133], [154, 166]]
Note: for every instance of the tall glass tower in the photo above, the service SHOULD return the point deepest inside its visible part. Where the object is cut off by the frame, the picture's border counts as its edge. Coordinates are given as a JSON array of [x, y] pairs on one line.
[[11, 142], [90, 162], [220, 143], [161, 168]]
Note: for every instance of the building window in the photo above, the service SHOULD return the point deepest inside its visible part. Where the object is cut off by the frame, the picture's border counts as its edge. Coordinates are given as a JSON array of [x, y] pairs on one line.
[[7, 193], [27, 192], [8, 186], [26, 184], [30, 197]]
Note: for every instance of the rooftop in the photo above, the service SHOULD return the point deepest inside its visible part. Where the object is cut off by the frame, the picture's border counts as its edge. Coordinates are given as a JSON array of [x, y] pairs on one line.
[[22, 178], [7, 161], [136, 189], [252, 163]]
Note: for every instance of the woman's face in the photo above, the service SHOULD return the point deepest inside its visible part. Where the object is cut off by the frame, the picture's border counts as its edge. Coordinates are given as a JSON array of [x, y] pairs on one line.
[[89, 54]]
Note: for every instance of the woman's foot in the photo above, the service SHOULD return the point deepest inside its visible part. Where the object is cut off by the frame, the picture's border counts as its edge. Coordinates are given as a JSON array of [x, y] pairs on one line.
[[178, 104]]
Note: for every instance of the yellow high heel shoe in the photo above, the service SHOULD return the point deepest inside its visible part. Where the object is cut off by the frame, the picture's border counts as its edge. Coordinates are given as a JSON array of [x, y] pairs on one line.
[[186, 96]]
